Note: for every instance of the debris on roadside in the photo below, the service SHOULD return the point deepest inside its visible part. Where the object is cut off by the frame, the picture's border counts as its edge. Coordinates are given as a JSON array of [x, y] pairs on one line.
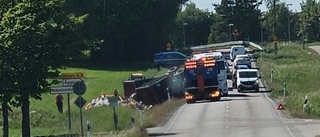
[[102, 100]]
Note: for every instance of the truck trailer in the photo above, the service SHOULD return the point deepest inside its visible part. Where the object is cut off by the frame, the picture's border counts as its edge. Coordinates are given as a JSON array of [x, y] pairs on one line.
[[201, 79]]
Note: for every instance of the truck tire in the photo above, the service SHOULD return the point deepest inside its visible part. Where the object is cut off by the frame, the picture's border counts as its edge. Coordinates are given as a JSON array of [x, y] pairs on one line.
[[215, 99], [226, 94], [239, 90], [190, 101], [172, 69]]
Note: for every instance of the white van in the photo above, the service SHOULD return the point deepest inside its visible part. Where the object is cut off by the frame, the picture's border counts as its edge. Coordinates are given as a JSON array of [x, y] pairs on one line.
[[237, 50]]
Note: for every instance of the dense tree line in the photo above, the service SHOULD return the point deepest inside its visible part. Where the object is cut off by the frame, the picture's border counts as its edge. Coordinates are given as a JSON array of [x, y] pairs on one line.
[[255, 25], [126, 31]]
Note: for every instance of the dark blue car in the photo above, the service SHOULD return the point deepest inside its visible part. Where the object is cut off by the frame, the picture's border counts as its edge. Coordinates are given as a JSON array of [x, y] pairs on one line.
[[169, 59]]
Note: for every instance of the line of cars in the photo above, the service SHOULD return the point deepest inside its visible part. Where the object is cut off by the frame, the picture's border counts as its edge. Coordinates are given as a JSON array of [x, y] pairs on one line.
[[244, 76], [200, 76], [219, 78]]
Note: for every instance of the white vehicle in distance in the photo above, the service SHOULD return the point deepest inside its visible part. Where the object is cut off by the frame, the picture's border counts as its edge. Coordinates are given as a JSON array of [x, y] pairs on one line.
[[242, 60], [234, 80], [247, 79], [237, 50]]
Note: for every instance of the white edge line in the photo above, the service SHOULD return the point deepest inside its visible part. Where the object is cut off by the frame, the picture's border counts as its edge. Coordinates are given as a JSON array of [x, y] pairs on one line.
[[174, 118], [274, 105], [280, 115]]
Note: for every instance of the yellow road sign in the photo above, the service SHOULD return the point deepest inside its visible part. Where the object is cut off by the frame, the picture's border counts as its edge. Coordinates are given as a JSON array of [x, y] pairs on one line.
[[274, 38], [235, 32], [169, 45], [72, 75]]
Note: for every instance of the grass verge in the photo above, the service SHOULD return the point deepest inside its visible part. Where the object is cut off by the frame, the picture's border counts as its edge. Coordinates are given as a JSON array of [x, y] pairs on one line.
[[297, 68], [157, 116], [46, 120]]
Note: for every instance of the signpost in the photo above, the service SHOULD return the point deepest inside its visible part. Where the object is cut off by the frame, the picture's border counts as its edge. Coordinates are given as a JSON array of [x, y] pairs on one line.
[[68, 81], [114, 103], [235, 33], [275, 41], [79, 88], [169, 46]]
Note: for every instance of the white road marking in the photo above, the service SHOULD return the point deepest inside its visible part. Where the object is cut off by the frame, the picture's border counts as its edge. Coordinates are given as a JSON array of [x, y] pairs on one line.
[[175, 118]]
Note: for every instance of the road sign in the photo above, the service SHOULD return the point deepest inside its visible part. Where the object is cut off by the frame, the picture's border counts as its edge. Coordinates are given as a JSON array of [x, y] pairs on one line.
[[280, 107], [235, 32], [72, 75], [62, 90], [79, 88], [169, 46], [80, 102], [274, 38], [113, 101], [70, 82]]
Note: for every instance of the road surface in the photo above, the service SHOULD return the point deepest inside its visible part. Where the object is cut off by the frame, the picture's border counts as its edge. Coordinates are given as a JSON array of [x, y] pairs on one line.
[[239, 115]]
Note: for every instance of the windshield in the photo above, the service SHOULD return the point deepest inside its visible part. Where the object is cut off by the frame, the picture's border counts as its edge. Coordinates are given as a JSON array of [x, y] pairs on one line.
[[221, 65], [242, 57], [242, 67], [248, 74]]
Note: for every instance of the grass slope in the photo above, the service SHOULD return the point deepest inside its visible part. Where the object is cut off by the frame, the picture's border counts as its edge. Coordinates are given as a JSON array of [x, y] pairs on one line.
[[45, 119], [297, 68]]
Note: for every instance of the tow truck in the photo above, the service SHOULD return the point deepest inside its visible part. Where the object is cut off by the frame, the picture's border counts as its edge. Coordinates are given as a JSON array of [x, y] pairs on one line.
[[201, 79]]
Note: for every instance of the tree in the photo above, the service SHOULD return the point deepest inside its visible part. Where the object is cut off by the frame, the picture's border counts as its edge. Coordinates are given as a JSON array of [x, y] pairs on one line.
[[218, 29], [197, 29], [37, 38], [269, 3], [243, 15], [143, 26], [128, 31], [309, 21], [281, 17]]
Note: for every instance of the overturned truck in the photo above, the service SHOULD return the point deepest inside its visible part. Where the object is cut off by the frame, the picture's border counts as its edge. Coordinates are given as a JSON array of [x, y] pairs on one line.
[[156, 90]]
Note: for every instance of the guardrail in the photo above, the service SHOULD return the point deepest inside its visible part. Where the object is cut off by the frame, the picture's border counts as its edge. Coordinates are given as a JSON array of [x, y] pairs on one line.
[[225, 44]]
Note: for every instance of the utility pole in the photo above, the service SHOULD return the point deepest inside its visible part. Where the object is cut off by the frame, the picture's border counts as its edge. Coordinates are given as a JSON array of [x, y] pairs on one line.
[[229, 26], [274, 25], [289, 35], [184, 35]]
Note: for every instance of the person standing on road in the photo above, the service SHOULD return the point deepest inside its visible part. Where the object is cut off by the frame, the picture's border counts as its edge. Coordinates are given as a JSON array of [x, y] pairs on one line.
[[59, 102]]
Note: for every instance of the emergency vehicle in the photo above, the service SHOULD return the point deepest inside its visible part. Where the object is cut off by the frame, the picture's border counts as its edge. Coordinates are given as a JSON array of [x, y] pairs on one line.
[[223, 67], [201, 78]]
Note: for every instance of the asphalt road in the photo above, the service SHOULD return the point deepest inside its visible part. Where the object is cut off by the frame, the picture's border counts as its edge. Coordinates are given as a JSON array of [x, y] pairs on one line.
[[240, 114], [315, 48]]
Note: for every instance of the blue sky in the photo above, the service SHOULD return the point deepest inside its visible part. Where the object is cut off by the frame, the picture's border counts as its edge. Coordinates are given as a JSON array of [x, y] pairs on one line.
[[207, 4]]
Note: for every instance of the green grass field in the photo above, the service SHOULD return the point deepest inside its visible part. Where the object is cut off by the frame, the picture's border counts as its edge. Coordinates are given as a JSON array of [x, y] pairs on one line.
[[45, 119], [297, 68]]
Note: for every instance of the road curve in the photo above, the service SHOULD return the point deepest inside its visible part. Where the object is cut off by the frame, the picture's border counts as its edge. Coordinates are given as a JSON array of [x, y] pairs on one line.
[[240, 114]]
